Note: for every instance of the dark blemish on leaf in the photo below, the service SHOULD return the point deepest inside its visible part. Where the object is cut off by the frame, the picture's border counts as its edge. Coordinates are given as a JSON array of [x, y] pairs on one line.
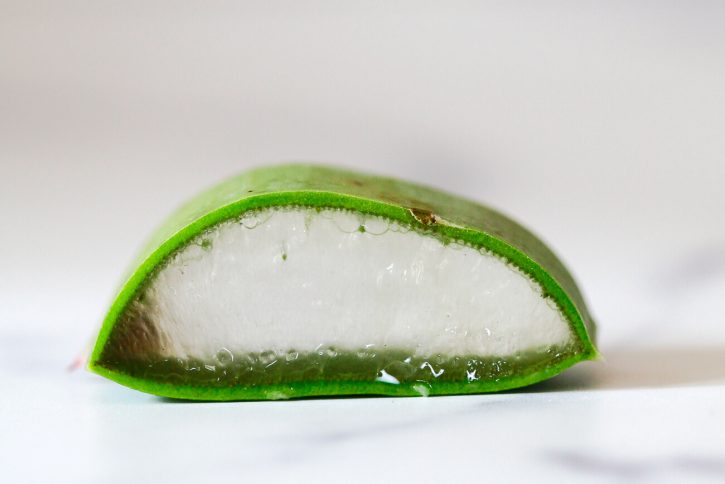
[[134, 336], [357, 183], [424, 216]]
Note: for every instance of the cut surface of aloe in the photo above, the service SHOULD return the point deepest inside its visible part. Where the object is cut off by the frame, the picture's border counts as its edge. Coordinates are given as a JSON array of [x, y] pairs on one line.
[[302, 280]]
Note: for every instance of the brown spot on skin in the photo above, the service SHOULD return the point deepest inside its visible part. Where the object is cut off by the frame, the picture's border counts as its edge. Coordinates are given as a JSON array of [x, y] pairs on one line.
[[134, 337], [424, 216], [357, 183]]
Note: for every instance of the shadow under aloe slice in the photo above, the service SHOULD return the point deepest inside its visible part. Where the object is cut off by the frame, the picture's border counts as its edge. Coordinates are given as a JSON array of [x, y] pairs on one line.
[[301, 280]]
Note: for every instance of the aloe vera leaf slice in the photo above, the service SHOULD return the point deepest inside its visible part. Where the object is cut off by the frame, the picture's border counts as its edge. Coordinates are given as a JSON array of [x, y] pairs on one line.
[[154, 350]]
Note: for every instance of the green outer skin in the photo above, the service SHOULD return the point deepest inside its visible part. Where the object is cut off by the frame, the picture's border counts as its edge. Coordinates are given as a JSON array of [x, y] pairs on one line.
[[428, 210]]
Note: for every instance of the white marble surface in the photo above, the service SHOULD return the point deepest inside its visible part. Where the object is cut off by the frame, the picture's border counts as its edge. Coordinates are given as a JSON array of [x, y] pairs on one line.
[[600, 126]]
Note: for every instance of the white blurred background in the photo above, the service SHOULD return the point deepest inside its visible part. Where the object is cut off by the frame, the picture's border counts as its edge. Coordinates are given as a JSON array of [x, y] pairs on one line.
[[599, 125]]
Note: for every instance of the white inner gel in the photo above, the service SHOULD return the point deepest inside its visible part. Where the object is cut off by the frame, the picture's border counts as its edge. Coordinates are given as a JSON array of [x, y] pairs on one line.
[[297, 280]]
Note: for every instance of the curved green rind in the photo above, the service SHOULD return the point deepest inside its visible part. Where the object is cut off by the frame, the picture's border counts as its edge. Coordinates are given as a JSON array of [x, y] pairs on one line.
[[438, 213]]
